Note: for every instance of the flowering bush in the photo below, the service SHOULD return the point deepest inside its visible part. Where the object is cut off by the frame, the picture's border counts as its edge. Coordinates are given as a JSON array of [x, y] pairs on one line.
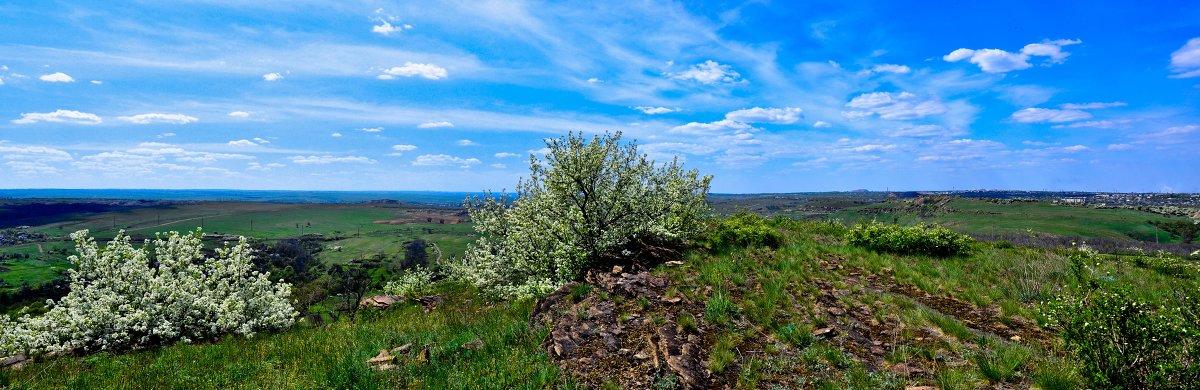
[[122, 297], [584, 200], [925, 240], [1125, 342], [411, 283]]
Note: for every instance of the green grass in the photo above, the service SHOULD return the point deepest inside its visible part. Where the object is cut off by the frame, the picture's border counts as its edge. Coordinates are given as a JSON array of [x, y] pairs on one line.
[[331, 356], [980, 217]]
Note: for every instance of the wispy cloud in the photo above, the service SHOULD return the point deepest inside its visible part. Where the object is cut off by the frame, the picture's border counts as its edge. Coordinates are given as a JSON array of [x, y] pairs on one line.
[[157, 118], [60, 116]]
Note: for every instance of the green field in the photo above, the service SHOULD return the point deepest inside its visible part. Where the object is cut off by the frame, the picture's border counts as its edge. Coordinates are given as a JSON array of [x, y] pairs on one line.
[[1017, 218], [353, 227]]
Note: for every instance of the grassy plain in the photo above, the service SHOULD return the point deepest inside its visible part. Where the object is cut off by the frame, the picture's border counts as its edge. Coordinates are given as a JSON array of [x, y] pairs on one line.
[[983, 217]]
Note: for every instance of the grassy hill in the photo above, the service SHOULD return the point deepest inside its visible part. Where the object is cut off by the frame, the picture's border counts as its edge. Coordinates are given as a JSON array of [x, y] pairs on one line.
[[814, 313]]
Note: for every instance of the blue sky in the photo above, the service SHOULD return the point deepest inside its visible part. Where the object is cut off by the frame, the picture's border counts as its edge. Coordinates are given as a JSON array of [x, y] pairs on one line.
[[446, 95]]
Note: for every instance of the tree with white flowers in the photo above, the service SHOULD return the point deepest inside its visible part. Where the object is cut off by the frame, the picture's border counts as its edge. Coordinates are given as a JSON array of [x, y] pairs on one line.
[[122, 297], [584, 200]]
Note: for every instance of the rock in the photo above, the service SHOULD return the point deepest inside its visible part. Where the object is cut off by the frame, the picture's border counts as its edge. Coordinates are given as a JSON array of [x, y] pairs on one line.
[[1015, 339], [382, 361], [681, 357], [563, 344], [379, 301], [617, 269], [14, 362], [904, 370], [431, 302], [423, 356], [672, 300], [625, 351], [641, 355], [824, 333], [674, 263], [837, 311], [920, 388], [473, 345], [403, 349]]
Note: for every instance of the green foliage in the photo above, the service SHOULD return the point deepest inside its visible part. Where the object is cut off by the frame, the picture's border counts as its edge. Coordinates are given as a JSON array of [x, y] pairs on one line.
[[719, 309], [742, 230], [1003, 362], [1126, 342], [797, 336], [955, 379], [1058, 374], [585, 200], [934, 241], [412, 283], [722, 354]]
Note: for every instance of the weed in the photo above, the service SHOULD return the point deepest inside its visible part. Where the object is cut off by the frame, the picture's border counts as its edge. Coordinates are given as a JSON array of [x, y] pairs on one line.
[[1003, 362], [722, 354], [1058, 374], [719, 309], [955, 379], [579, 292]]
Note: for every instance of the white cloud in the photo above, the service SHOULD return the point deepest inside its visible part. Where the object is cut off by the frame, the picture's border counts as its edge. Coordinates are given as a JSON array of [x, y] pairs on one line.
[[165, 135], [322, 160], [498, 166], [404, 148], [239, 114], [1185, 62], [1171, 135], [410, 69], [1120, 147], [444, 160], [1048, 115], [1090, 106], [466, 142], [387, 28], [242, 143], [33, 153], [371, 129], [1121, 123], [713, 128], [152, 118], [961, 149], [872, 148], [31, 168], [1000, 61], [505, 155], [272, 76], [901, 106], [254, 166], [97, 82], [1026, 95], [59, 77], [63, 116], [821, 125], [594, 81], [779, 116], [710, 73], [886, 68], [335, 135], [651, 110], [434, 125], [1075, 148], [261, 141]]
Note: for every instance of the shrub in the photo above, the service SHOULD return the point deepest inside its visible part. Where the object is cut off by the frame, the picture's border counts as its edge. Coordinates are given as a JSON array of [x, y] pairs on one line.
[[1002, 363], [1126, 342], [122, 297], [585, 200], [742, 230], [411, 284], [921, 239]]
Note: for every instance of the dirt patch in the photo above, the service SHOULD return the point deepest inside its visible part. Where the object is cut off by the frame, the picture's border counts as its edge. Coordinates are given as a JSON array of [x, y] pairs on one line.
[[623, 332]]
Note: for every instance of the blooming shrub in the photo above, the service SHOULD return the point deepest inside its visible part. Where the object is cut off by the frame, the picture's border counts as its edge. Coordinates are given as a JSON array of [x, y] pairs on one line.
[[742, 230], [924, 240], [1125, 342], [121, 297], [584, 200], [411, 283]]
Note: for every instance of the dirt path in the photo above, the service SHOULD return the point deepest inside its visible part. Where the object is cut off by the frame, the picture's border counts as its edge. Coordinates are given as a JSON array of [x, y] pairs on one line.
[[40, 250]]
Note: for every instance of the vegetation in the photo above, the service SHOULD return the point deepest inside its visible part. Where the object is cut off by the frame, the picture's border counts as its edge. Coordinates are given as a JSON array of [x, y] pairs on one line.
[[918, 240], [741, 230], [585, 200], [411, 284], [121, 297], [1125, 341]]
